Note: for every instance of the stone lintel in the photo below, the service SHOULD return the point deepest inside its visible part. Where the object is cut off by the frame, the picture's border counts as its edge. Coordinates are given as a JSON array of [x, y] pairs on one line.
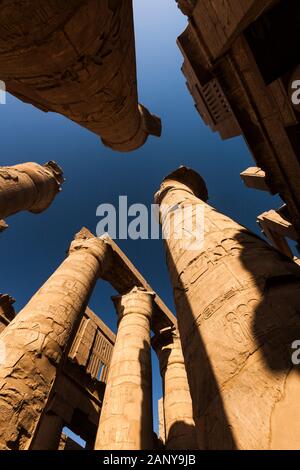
[[124, 276]]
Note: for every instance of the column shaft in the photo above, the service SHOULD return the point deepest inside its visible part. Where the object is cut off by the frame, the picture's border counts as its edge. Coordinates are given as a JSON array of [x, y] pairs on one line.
[[28, 186], [177, 404], [49, 433], [35, 341], [126, 421], [237, 302], [77, 58]]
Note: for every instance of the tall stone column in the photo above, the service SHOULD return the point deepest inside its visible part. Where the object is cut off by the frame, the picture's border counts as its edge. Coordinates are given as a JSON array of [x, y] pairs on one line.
[[177, 403], [77, 58], [35, 341], [238, 310], [126, 421], [28, 187]]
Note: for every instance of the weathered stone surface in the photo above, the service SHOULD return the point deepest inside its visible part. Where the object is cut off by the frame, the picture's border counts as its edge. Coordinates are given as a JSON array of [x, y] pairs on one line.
[[161, 421], [177, 407], [126, 421], [186, 6], [255, 178], [240, 77], [221, 21], [28, 186], [77, 58], [237, 302], [276, 226], [35, 341]]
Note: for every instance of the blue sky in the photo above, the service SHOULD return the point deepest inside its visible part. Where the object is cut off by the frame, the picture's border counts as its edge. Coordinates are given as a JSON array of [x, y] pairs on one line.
[[34, 245]]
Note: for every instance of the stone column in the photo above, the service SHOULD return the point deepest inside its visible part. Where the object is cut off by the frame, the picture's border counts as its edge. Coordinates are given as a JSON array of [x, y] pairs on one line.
[[77, 58], [49, 433], [28, 187], [161, 421], [35, 341], [177, 405], [238, 310], [126, 420]]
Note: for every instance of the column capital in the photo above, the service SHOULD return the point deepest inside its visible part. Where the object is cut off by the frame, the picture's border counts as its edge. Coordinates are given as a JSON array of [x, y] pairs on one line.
[[138, 300], [166, 344], [98, 247], [47, 178], [182, 179], [163, 338], [28, 187], [56, 171]]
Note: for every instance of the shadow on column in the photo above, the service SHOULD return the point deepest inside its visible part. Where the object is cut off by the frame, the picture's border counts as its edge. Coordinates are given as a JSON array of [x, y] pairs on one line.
[[202, 378], [276, 322], [148, 437], [179, 430]]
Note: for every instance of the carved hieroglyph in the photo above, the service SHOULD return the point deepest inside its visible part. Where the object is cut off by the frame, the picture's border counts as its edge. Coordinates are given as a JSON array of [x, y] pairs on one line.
[[77, 58], [237, 302], [126, 421], [28, 187], [177, 404], [35, 340]]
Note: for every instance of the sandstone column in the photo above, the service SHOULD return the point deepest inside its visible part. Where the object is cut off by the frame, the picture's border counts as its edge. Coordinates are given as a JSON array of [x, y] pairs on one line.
[[49, 433], [238, 310], [177, 403], [35, 341], [28, 186], [77, 58], [126, 421]]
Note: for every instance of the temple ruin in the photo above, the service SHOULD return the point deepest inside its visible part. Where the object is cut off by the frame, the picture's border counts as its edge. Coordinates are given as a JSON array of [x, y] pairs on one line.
[[63, 367], [57, 354], [225, 357]]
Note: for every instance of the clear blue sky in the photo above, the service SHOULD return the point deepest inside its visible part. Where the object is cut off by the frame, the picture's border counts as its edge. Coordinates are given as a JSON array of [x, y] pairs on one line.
[[34, 245]]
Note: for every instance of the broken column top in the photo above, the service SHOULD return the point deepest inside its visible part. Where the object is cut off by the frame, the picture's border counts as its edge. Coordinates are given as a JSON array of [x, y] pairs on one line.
[[56, 170], [183, 178]]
